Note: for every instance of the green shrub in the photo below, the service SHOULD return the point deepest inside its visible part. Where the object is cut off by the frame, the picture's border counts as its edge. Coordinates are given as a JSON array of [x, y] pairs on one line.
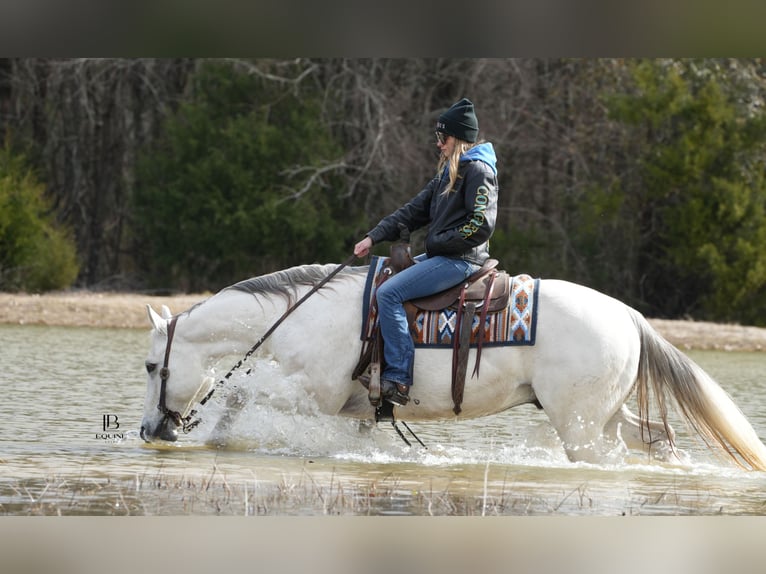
[[36, 254]]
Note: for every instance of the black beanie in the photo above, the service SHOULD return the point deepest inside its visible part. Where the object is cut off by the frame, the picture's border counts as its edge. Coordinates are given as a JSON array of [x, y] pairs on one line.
[[460, 121]]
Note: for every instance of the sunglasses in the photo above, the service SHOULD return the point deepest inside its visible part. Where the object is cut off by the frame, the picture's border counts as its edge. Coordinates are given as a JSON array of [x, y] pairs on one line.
[[441, 138]]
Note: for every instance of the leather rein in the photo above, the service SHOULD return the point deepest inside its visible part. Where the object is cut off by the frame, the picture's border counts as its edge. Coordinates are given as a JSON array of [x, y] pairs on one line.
[[187, 422]]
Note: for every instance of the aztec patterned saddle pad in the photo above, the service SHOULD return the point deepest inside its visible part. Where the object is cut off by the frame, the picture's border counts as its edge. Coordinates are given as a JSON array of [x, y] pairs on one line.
[[516, 324]]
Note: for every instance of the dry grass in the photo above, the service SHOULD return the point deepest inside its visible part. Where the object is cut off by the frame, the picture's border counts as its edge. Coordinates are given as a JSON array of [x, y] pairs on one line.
[[86, 309], [213, 494], [702, 335]]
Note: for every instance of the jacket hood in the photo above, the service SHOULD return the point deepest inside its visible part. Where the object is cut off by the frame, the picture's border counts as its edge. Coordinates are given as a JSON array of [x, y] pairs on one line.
[[483, 152]]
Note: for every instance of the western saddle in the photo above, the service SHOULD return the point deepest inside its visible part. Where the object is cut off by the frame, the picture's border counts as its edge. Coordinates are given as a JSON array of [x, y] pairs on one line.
[[486, 291]]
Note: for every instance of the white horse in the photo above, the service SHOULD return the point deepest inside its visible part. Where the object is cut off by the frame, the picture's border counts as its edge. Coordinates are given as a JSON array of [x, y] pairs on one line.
[[592, 352]]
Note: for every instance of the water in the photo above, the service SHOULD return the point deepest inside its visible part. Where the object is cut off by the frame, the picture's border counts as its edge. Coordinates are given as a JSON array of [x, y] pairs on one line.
[[73, 403]]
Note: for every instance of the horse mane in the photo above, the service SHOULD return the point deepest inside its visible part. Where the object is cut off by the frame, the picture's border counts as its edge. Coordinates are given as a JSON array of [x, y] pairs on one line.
[[285, 282]]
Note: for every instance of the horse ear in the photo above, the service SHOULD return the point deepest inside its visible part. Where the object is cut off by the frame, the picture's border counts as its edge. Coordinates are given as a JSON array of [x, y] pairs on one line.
[[158, 323], [166, 314]]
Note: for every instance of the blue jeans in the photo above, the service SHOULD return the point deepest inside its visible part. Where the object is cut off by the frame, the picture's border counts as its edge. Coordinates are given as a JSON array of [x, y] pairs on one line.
[[429, 275]]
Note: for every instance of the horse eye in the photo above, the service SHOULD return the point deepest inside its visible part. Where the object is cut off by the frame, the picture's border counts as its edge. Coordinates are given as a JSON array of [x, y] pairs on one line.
[[150, 367]]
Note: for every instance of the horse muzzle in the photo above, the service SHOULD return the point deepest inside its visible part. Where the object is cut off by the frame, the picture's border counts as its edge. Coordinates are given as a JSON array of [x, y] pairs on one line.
[[166, 430]]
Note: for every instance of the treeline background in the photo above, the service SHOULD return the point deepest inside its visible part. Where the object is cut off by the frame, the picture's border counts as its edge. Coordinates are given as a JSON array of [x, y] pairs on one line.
[[640, 178]]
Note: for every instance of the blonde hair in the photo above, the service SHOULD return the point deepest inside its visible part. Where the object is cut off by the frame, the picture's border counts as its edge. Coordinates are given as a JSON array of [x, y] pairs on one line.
[[460, 147]]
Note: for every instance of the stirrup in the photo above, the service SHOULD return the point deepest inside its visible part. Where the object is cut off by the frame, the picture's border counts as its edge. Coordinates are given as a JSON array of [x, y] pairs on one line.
[[396, 393]]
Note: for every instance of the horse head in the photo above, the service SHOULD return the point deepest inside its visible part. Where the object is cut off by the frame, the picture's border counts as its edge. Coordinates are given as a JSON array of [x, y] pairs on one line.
[[175, 378]]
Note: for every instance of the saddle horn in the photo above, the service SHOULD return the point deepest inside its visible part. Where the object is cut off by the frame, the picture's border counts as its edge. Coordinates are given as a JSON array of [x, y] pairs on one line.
[[401, 256]]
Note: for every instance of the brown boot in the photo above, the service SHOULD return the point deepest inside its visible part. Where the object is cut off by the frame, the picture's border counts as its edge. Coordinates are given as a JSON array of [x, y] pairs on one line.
[[395, 393]]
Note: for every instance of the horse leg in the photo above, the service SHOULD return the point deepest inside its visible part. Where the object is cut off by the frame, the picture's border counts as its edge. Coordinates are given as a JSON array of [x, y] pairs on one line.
[[653, 439], [583, 439], [581, 391], [584, 366], [235, 404]]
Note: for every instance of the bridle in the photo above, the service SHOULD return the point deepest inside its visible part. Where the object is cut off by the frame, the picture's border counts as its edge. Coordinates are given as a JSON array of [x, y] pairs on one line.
[[186, 422], [175, 416]]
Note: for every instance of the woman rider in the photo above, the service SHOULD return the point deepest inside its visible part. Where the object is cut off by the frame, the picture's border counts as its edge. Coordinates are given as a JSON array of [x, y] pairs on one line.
[[459, 206]]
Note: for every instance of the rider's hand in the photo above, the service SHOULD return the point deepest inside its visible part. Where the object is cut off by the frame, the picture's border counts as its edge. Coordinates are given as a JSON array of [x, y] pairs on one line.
[[363, 247]]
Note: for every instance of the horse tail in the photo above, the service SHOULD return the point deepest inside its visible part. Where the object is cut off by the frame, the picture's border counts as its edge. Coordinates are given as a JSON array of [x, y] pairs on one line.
[[709, 410]]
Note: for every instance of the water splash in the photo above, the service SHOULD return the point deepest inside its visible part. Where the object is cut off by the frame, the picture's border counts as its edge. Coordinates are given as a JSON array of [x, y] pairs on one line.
[[280, 419]]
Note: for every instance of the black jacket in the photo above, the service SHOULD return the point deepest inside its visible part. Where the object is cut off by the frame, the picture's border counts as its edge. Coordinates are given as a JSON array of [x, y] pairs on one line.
[[461, 221]]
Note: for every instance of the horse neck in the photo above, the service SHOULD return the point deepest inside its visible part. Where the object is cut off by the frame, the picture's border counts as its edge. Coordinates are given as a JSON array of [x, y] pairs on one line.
[[232, 321]]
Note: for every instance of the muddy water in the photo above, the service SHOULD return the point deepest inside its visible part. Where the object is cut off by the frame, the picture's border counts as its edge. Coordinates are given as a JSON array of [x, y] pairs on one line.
[[69, 445]]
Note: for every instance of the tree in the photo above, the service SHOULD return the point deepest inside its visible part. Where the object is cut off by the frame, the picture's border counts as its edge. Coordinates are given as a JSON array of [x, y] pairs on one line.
[[81, 123], [698, 191], [235, 187]]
